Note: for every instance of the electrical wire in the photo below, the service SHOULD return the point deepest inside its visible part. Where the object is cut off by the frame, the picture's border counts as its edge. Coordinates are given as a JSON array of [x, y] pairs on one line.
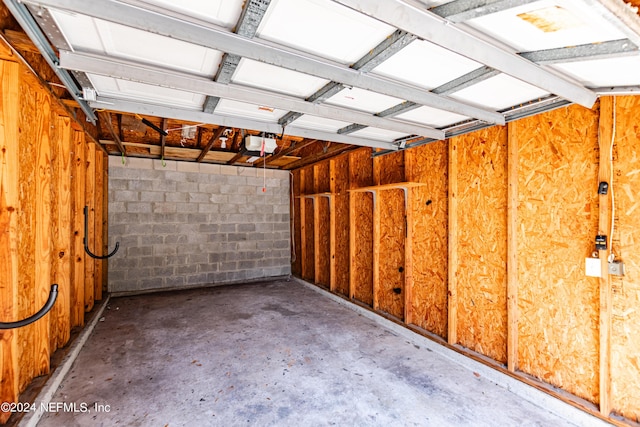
[[57, 85], [186, 127]]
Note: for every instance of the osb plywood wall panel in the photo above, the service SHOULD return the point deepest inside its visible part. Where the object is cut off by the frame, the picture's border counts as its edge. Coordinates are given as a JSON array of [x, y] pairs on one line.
[[389, 169], [308, 250], [339, 186], [322, 255], [296, 267], [360, 168], [625, 363], [428, 164], [362, 268], [361, 175], [322, 181], [322, 184], [390, 287], [557, 221], [558, 308], [307, 229], [482, 241], [308, 180]]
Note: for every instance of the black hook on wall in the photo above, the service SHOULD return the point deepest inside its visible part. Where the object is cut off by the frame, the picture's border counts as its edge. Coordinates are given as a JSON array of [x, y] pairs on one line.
[[53, 294], [86, 244]]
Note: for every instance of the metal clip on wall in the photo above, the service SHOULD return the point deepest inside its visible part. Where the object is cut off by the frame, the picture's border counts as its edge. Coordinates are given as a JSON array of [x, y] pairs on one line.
[[53, 294], [86, 244]]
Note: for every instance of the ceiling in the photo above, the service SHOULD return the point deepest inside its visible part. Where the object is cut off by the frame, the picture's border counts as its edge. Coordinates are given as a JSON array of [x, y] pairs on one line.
[[381, 73]]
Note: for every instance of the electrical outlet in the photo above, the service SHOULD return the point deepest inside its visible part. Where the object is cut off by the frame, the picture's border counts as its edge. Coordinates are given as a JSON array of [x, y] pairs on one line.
[[593, 267], [616, 268]]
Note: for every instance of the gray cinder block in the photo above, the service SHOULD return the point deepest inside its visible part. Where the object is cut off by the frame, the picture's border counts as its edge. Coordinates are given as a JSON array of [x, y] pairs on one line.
[[178, 227]]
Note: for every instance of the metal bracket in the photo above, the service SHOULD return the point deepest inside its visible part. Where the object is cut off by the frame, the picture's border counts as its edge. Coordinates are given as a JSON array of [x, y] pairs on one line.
[[86, 245], [53, 294]]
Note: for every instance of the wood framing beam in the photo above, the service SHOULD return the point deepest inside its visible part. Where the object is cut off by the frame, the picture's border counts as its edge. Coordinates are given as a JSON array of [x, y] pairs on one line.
[[90, 201], [316, 235], [293, 147], [352, 245], [216, 134], [105, 222], [316, 240], [78, 199], [106, 118], [20, 41], [393, 186], [332, 239], [333, 151], [99, 243], [9, 230], [303, 226], [235, 158], [605, 142], [452, 334], [512, 247], [62, 230], [376, 248], [119, 123], [237, 140], [408, 257], [163, 138], [332, 246], [340, 237]]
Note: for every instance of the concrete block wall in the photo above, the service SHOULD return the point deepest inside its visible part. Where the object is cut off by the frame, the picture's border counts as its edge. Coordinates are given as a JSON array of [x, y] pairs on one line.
[[186, 224]]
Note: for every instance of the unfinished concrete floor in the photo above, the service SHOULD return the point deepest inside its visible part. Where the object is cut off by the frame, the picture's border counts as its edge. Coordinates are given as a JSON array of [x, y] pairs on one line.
[[270, 354]]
